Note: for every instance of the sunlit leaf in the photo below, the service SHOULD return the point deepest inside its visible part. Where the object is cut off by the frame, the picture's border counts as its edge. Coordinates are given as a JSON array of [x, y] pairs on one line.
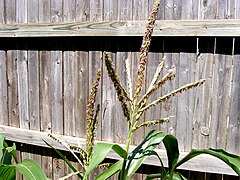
[[110, 171], [31, 170], [100, 152], [141, 152], [230, 159]]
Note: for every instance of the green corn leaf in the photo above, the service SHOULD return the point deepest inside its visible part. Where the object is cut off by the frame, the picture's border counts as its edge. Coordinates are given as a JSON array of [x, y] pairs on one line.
[[65, 159], [153, 176], [100, 152], [110, 171], [230, 159], [7, 172], [2, 138], [31, 170], [141, 152], [177, 176], [171, 145]]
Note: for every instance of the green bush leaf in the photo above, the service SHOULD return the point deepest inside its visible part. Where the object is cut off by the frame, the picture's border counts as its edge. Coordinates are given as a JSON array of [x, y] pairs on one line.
[[31, 170], [230, 159], [111, 170], [7, 172], [100, 152]]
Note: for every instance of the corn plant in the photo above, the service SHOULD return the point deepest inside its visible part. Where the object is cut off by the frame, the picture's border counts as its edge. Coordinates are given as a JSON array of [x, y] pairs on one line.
[[134, 106], [170, 173], [84, 157]]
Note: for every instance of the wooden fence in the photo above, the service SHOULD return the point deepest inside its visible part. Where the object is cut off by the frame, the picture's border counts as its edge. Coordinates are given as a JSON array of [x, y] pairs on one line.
[[46, 71]]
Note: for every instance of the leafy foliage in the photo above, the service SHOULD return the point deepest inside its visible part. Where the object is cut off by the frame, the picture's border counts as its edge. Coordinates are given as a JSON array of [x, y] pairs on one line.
[[88, 159], [29, 168], [171, 146]]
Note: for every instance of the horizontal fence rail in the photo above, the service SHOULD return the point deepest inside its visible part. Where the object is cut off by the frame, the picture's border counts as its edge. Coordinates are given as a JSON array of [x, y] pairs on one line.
[[216, 28], [203, 163]]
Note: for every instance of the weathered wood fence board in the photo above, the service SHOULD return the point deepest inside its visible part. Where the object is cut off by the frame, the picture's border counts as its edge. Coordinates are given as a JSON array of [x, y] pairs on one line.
[[46, 89], [209, 164], [227, 28]]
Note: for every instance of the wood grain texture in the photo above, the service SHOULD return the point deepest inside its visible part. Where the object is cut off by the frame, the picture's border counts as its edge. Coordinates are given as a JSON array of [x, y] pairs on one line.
[[3, 89], [43, 95], [82, 57], [228, 28], [44, 7], [208, 163], [82, 93], [22, 70], [95, 61], [13, 110], [233, 127], [69, 76], [56, 87], [34, 81]]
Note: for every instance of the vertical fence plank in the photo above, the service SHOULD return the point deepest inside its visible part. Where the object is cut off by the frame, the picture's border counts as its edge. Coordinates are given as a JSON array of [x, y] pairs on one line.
[[3, 89], [82, 93], [56, 87], [202, 99], [2, 12], [234, 125], [220, 101], [96, 14], [171, 51], [169, 107], [13, 110], [3, 77], [45, 104], [22, 65], [70, 81], [69, 75], [108, 90], [221, 84], [11, 55], [124, 10], [82, 14], [82, 10], [33, 80], [22, 72], [45, 93]]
